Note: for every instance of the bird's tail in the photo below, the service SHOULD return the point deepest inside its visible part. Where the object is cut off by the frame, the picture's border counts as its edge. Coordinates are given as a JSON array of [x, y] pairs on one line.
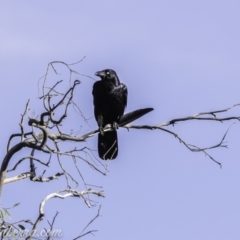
[[108, 145]]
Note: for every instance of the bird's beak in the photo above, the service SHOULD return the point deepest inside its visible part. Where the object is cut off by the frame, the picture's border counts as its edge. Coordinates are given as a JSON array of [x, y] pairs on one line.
[[100, 74]]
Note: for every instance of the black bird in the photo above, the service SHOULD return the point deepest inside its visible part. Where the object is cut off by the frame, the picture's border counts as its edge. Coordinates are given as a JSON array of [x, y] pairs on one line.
[[110, 100]]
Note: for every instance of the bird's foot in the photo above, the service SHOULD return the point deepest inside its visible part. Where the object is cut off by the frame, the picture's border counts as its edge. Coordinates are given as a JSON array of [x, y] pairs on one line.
[[101, 129], [115, 126]]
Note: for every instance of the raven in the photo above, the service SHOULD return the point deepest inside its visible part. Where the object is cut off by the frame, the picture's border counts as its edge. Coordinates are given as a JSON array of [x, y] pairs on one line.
[[110, 100]]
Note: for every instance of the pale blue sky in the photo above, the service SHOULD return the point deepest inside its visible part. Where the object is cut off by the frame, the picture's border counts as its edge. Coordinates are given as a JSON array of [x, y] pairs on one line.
[[179, 57]]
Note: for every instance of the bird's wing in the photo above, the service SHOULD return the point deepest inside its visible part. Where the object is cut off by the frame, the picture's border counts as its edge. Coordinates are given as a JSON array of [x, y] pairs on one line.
[[125, 94], [121, 92], [97, 92]]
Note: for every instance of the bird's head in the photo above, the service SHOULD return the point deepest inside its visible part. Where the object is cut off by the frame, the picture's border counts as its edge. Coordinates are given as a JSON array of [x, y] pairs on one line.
[[107, 74]]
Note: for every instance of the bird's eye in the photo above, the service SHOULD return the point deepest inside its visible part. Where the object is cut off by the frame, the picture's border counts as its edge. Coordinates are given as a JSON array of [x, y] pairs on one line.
[[108, 73]]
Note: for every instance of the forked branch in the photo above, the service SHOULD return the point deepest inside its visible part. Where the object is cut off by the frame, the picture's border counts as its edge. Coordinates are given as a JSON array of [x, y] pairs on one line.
[[62, 194]]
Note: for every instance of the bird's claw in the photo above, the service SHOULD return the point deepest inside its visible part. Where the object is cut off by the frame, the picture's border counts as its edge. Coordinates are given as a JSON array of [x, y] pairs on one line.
[[101, 129], [115, 125]]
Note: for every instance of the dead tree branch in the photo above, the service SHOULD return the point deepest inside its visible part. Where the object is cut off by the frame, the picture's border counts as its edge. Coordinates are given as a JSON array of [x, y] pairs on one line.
[[39, 142], [62, 194], [34, 179], [46, 135], [91, 231]]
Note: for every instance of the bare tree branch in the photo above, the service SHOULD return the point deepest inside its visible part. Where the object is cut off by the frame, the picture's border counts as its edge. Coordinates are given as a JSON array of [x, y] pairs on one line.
[[196, 117], [35, 179], [47, 134], [60, 194], [29, 157], [51, 225], [91, 231], [21, 122]]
